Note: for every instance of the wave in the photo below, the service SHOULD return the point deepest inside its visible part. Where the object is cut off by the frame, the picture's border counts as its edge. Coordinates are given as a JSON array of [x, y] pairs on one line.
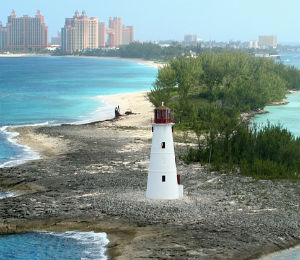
[[104, 112], [27, 154], [95, 243], [4, 195]]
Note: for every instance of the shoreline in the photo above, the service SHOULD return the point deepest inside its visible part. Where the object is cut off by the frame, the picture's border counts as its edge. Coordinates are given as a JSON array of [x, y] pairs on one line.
[[140, 61], [98, 183], [22, 135], [74, 187], [109, 104]]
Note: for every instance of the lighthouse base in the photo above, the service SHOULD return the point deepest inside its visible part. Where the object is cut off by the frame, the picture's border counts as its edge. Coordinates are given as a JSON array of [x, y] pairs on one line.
[[175, 194], [180, 191]]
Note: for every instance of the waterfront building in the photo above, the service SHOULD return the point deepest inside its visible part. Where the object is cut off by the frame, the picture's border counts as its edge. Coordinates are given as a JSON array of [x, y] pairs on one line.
[[3, 38], [26, 33], [267, 41], [190, 38], [115, 32], [101, 35], [128, 35], [253, 44], [56, 40], [163, 180], [79, 33]]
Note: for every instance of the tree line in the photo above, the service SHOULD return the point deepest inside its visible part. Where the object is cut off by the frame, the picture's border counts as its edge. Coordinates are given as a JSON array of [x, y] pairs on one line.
[[208, 94]]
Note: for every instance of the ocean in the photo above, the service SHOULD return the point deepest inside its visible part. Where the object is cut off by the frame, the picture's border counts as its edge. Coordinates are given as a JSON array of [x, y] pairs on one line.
[[286, 115], [69, 245], [55, 90]]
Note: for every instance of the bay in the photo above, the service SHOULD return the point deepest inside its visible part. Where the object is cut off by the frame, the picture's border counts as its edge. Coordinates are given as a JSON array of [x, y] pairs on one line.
[[286, 115], [54, 90]]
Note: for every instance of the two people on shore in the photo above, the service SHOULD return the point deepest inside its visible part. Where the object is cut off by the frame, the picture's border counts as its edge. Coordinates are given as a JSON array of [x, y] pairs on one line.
[[117, 111]]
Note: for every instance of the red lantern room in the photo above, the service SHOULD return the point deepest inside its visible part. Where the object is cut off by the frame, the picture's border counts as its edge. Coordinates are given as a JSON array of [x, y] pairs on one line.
[[162, 115]]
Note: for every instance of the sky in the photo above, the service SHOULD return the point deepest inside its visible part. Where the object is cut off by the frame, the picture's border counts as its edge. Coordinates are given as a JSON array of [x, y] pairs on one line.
[[220, 20]]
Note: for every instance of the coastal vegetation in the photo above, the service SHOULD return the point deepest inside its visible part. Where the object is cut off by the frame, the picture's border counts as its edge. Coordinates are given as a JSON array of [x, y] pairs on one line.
[[147, 51], [208, 94]]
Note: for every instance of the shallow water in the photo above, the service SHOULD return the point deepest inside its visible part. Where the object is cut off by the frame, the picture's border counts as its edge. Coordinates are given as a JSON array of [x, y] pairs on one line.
[[53, 90], [70, 245], [286, 115], [289, 254], [4, 195]]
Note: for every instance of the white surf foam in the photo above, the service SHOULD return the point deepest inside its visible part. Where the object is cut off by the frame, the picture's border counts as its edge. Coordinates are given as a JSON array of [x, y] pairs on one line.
[[4, 195], [95, 242], [27, 154]]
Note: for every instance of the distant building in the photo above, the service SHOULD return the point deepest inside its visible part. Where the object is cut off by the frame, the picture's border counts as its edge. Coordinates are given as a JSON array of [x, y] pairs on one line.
[[267, 41], [190, 38], [115, 32], [26, 33], [56, 40], [128, 35], [3, 38], [101, 35], [253, 44], [79, 33]]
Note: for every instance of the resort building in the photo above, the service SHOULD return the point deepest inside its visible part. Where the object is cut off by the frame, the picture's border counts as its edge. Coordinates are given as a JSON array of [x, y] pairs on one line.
[[253, 44], [267, 41], [26, 33], [117, 34], [128, 35], [3, 38], [56, 40], [79, 33], [101, 35], [190, 38]]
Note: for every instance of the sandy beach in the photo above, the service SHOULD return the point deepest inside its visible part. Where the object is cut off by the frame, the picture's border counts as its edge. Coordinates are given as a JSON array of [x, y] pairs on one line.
[[93, 177], [149, 63]]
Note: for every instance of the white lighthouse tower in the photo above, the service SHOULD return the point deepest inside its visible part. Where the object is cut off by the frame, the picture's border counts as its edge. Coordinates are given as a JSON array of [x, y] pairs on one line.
[[163, 180]]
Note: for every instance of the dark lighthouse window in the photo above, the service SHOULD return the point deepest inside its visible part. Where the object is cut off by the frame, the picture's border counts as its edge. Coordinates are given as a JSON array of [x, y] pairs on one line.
[[163, 145], [163, 178]]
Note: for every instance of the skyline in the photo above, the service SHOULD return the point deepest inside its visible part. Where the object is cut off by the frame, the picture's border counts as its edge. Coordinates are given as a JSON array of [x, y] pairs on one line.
[[170, 20]]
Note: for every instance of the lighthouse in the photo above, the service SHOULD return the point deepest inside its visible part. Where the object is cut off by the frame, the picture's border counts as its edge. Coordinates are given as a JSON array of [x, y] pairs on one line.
[[163, 181]]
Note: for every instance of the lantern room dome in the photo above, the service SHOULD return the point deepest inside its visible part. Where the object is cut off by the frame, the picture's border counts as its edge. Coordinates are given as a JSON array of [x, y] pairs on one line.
[[162, 115]]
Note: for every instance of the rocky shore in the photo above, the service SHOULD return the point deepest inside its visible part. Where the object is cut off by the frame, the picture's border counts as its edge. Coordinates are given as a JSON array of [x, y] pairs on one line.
[[93, 177]]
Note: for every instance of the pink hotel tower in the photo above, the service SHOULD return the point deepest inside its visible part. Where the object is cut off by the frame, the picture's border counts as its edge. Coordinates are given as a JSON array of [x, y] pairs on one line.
[[81, 32], [26, 33]]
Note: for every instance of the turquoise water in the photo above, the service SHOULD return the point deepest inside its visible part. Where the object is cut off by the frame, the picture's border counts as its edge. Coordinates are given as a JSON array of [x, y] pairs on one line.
[[289, 254], [287, 115], [53, 246], [54, 90], [4, 195]]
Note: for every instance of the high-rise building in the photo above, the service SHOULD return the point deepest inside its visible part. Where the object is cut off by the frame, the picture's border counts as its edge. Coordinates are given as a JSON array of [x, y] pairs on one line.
[[56, 40], [26, 33], [190, 38], [79, 33], [115, 33], [101, 35], [128, 35], [3, 38], [253, 44], [266, 41]]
